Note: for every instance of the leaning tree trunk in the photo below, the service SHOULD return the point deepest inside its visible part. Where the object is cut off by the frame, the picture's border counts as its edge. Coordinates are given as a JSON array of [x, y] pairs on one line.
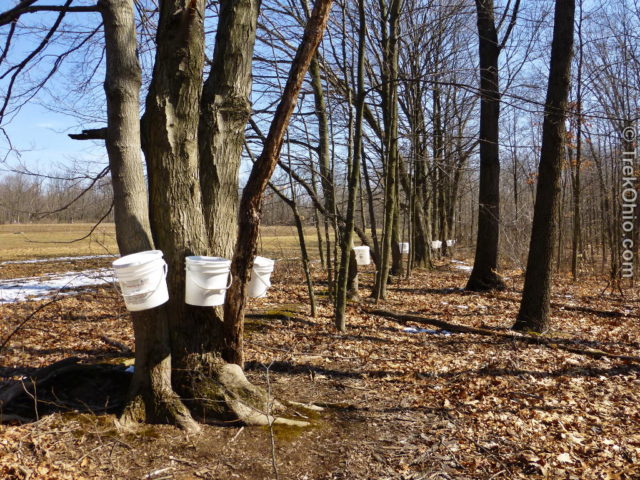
[[251, 202], [484, 275], [151, 396], [535, 305]]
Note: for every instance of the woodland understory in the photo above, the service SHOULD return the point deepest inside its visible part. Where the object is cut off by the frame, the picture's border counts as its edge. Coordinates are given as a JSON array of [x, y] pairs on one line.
[[458, 395]]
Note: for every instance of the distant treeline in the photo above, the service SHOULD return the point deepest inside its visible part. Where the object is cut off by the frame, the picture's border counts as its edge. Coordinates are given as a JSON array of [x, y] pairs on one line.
[[26, 198]]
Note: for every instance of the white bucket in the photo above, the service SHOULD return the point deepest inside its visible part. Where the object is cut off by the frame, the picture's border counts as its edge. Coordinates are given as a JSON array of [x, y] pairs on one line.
[[451, 243], [436, 244], [404, 247], [207, 280], [142, 277], [363, 256], [260, 277]]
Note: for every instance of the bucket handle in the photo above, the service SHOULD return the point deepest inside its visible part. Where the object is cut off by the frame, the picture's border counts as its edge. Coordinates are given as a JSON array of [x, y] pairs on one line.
[[147, 294], [193, 279], [265, 283]]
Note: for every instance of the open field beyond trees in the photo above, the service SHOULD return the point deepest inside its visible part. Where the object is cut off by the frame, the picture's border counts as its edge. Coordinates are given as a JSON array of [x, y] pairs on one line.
[[404, 397], [43, 240]]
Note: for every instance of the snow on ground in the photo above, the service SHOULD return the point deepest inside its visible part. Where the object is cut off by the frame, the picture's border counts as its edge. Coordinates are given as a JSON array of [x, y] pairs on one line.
[[461, 266], [57, 259], [47, 286]]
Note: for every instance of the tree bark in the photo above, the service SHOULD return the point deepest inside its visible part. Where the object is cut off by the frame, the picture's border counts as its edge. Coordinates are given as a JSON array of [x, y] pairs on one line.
[[390, 108], [346, 264], [151, 396], [484, 275], [225, 110], [535, 305]]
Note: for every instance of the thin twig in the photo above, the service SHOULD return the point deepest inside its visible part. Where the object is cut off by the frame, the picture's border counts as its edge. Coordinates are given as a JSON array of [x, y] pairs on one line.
[[270, 419]]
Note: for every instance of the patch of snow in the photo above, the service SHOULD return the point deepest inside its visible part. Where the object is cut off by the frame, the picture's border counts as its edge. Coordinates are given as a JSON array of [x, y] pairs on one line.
[[466, 268], [459, 265], [56, 259], [426, 330], [50, 285]]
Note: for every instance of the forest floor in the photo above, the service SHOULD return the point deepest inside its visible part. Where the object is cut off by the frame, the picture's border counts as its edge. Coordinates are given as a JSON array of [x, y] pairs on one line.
[[402, 399]]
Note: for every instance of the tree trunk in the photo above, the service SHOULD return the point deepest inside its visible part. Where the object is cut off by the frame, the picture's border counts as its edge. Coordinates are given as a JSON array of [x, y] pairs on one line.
[[484, 275], [151, 396], [326, 174], [535, 305], [225, 109], [251, 202], [390, 107], [347, 255]]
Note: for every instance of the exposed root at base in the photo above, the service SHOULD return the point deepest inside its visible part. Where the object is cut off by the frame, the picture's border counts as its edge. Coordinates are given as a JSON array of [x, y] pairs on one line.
[[486, 283], [167, 410], [220, 392]]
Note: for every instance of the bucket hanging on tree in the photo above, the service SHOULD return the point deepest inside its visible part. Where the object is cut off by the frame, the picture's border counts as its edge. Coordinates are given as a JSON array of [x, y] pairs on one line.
[[260, 277], [207, 280], [143, 279], [363, 256]]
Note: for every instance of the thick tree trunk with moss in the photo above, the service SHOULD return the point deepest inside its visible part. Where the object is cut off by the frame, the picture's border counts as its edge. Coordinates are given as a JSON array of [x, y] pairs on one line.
[[535, 306]]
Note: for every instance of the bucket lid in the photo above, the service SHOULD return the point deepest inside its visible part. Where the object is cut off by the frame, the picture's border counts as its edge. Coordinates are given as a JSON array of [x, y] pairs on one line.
[[202, 260], [361, 247], [263, 262], [136, 259]]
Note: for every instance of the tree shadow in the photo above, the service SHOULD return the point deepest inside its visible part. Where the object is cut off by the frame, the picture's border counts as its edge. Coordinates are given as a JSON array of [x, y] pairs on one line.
[[290, 368], [65, 386]]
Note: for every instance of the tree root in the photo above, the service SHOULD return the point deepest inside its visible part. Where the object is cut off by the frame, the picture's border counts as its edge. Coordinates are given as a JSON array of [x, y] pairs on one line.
[[212, 390], [168, 410], [216, 391], [485, 283]]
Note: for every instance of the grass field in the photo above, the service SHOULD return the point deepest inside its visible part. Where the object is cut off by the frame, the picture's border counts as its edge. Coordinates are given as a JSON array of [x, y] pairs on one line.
[[18, 242]]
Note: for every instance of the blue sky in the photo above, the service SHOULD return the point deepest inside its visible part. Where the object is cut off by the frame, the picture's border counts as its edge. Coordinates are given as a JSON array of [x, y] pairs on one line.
[[38, 131], [40, 135]]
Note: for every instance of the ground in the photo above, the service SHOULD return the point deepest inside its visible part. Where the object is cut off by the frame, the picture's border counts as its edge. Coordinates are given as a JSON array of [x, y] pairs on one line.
[[422, 403]]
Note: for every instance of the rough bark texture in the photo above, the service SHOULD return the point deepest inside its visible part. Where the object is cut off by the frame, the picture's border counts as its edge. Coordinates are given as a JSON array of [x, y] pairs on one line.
[[152, 398], [170, 144], [535, 305], [224, 114], [484, 275], [251, 202]]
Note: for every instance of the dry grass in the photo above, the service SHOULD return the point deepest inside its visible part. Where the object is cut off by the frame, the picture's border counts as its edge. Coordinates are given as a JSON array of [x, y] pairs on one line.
[[57, 240]]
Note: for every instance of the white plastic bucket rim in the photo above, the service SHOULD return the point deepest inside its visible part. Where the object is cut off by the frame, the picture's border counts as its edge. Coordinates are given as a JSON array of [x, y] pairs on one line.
[[260, 277], [263, 263], [142, 279], [207, 280], [136, 259]]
